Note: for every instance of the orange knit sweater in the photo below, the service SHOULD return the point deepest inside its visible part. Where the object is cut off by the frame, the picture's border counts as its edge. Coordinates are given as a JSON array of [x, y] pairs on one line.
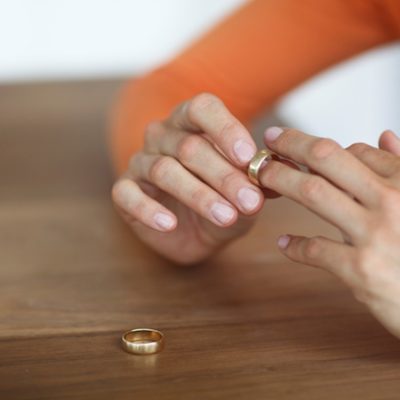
[[260, 52]]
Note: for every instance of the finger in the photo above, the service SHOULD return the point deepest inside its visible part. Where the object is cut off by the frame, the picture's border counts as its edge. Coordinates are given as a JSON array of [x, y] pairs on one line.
[[318, 195], [272, 194], [203, 160], [381, 162], [207, 113], [330, 160], [390, 142], [170, 176], [128, 196], [321, 252]]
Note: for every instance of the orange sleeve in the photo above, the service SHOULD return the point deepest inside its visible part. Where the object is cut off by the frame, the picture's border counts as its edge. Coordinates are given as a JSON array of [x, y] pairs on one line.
[[252, 58]]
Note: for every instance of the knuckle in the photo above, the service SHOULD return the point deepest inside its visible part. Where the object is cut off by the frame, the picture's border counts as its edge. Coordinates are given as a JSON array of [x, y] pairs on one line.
[[188, 147], [161, 168], [311, 188], [284, 141], [140, 209], [227, 128], [358, 148], [202, 199], [228, 181], [322, 148], [125, 194], [152, 132], [200, 103], [118, 190], [313, 248], [289, 133]]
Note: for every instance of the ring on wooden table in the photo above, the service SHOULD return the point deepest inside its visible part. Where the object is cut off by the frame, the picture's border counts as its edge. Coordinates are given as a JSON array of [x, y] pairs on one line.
[[256, 164], [143, 341]]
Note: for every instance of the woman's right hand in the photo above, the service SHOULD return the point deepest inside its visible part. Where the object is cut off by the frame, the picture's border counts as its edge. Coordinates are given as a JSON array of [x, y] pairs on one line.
[[186, 194]]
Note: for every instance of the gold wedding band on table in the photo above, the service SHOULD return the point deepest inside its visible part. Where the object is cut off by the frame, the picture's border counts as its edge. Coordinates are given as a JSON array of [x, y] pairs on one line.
[[256, 163], [143, 341]]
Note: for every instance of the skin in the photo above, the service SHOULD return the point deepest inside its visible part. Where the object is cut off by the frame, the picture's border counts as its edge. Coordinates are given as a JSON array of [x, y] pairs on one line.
[[361, 198], [189, 171]]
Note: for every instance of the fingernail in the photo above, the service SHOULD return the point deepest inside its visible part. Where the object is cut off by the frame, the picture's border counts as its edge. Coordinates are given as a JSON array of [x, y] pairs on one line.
[[222, 213], [164, 221], [244, 151], [283, 241], [272, 133], [248, 198]]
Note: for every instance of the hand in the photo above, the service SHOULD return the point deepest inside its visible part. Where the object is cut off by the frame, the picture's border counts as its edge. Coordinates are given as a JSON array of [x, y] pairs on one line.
[[357, 190], [186, 193]]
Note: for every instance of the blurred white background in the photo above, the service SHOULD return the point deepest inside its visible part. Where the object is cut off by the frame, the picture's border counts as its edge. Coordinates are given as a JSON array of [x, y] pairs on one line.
[[78, 39]]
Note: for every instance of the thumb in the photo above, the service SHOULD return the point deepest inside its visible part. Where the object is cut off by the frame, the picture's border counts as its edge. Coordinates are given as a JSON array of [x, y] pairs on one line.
[[390, 142]]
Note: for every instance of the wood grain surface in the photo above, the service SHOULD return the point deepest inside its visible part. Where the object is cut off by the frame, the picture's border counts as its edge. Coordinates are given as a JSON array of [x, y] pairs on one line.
[[247, 324]]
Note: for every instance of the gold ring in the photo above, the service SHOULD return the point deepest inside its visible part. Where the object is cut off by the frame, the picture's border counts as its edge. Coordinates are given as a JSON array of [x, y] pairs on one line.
[[143, 341], [256, 163]]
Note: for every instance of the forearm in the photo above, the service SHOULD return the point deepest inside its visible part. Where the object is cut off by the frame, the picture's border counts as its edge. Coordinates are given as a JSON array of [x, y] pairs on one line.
[[253, 58]]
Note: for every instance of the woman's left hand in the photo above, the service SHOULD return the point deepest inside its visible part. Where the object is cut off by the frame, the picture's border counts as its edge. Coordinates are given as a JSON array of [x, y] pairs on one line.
[[357, 190]]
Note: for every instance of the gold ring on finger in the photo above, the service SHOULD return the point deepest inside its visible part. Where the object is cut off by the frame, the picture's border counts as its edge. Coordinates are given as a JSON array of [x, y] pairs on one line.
[[256, 163]]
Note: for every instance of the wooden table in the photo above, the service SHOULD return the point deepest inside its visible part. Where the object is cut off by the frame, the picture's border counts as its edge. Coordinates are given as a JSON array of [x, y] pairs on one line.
[[247, 324]]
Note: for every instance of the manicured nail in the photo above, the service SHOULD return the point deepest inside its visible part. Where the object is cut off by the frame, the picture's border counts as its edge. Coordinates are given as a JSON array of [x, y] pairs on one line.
[[244, 151], [164, 221], [283, 241], [222, 212], [272, 133], [248, 198]]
